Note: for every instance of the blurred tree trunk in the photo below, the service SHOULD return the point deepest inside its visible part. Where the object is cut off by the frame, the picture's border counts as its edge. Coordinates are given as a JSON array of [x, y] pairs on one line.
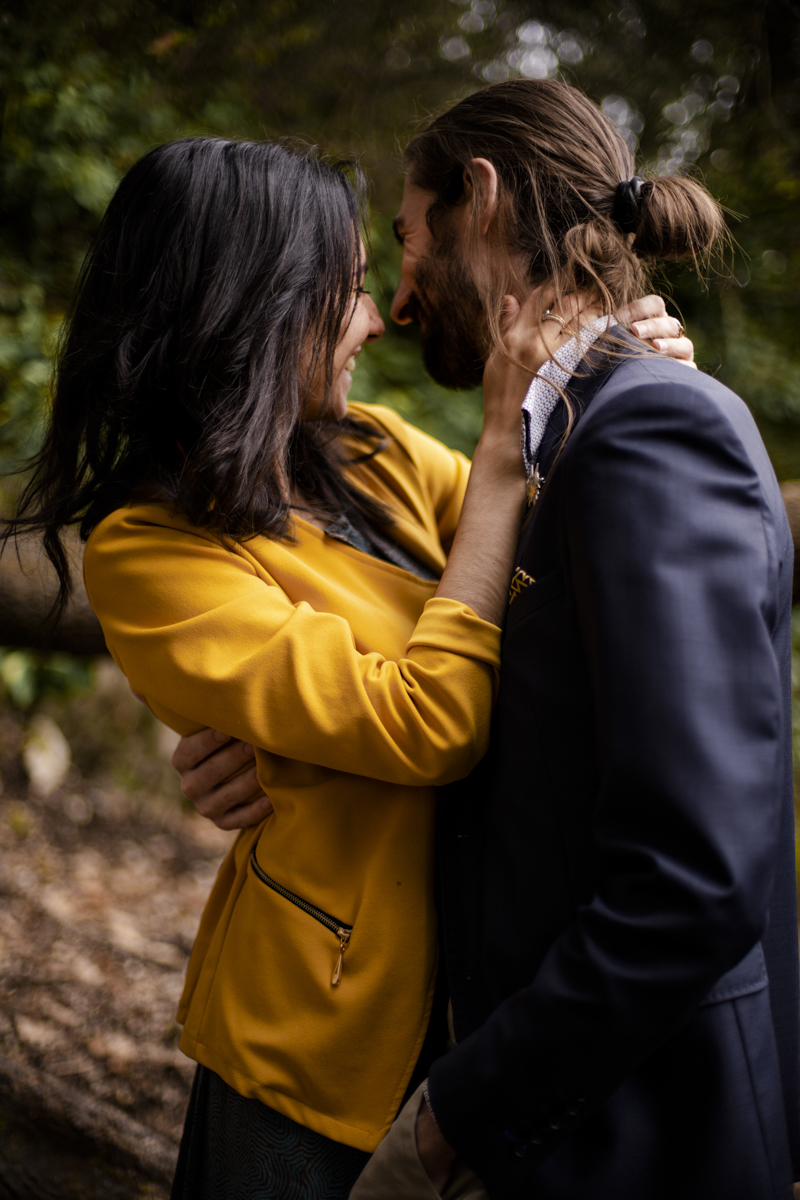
[[27, 588]]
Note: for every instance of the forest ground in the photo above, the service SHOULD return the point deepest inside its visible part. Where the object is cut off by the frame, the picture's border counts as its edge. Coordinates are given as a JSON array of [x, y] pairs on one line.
[[101, 888]]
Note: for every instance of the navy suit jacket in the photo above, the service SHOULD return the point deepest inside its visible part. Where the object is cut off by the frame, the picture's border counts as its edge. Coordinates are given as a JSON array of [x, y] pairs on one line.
[[618, 883]]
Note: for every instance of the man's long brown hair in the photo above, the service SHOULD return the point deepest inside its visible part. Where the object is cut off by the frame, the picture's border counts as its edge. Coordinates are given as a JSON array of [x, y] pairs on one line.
[[559, 161]]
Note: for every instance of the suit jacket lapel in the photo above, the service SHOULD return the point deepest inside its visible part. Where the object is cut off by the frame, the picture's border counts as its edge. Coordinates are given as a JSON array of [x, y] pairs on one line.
[[595, 370]]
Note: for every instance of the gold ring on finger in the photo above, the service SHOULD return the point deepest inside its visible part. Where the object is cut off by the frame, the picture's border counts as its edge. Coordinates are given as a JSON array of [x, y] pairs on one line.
[[551, 316]]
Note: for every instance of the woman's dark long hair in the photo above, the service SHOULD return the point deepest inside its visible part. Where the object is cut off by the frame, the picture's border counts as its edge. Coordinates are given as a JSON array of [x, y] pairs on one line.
[[218, 283]]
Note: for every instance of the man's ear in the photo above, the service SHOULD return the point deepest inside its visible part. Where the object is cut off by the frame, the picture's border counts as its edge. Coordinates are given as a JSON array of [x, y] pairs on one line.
[[481, 188]]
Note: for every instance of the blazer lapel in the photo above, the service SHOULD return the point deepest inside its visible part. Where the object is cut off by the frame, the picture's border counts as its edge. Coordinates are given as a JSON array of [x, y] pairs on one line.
[[595, 370]]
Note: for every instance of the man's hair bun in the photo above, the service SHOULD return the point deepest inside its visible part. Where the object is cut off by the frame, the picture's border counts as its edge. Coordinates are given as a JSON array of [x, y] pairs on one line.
[[677, 219]]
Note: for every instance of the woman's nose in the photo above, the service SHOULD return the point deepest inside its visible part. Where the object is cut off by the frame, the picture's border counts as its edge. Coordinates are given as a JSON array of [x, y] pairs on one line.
[[401, 299], [377, 328]]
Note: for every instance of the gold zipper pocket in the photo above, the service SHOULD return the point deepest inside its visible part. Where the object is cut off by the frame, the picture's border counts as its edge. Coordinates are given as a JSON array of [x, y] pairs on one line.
[[341, 930]]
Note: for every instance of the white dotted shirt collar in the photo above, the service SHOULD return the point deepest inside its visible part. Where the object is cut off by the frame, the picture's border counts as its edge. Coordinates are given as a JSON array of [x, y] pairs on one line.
[[542, 397]]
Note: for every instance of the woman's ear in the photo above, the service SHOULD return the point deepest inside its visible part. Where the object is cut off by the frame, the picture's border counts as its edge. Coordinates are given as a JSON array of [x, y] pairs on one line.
[[481, 189]]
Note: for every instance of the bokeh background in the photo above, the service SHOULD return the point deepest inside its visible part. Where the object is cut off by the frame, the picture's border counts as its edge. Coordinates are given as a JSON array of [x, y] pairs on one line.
[[104, 870]]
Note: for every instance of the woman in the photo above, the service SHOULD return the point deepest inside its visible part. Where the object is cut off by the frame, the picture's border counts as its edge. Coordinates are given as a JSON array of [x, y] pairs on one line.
[[263, 561], [326, 585]]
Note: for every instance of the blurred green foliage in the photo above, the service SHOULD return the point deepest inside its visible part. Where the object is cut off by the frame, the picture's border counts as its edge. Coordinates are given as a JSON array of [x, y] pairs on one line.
[[27, 675], [87, 87]]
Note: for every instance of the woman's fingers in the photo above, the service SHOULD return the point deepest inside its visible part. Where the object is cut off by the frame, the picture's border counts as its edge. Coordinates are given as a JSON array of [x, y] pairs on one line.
[[680, 349], [511, 310], [509, 370], [665, 334], [642, 310], [528, 342], [526, 337], [657, 327]]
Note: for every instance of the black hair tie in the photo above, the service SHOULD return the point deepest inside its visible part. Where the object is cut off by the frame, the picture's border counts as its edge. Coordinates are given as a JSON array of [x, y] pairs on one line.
[[627, 201]]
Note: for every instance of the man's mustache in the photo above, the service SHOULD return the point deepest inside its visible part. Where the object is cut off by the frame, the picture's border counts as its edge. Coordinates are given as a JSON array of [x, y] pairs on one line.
[[422, 312], [415, 309]]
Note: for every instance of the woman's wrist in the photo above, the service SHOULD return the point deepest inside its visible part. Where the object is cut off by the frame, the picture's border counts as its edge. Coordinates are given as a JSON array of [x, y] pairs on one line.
[[498, 454]]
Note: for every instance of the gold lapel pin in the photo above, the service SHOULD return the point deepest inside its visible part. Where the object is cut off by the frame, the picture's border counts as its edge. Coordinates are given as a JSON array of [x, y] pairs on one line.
[[534, 486], [519, 580]]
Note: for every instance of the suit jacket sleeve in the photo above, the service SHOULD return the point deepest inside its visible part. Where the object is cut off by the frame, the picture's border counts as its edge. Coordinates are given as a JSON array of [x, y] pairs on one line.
[[671, 549]]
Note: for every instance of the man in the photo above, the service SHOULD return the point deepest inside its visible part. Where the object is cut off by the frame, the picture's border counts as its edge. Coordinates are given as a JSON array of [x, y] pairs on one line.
[[618, 893]]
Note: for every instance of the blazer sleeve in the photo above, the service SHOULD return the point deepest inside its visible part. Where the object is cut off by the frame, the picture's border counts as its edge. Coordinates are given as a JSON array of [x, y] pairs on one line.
[[674, 573], [209, 641]]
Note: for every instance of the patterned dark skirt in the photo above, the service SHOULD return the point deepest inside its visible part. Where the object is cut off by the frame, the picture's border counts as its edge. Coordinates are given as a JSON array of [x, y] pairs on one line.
[[238, 1149]]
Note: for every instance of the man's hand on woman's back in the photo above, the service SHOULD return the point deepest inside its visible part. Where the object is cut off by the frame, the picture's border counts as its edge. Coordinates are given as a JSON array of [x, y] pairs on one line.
[[207, 762]]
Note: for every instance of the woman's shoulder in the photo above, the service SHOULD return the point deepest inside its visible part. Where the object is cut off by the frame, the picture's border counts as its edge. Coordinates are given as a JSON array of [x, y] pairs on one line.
[[141, 538], [420, 471], [381, 419], [404, 440], [142, 518], [145, 566]]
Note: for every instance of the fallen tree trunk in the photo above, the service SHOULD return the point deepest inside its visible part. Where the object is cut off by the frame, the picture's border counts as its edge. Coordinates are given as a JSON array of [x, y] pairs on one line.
[[28, 586]]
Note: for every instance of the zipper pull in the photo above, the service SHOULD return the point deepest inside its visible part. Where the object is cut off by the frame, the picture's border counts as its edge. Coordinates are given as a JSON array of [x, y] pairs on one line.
[[344, 938]]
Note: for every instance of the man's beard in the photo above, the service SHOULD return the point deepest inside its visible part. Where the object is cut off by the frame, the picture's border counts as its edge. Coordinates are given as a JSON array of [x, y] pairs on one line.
[[453, 326]]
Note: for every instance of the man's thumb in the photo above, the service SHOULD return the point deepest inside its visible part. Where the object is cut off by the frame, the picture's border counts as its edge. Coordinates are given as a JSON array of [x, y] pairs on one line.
[[509, 312]]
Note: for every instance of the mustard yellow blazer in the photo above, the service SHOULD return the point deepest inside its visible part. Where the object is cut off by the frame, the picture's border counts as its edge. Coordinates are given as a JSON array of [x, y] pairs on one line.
[[311, 979]]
